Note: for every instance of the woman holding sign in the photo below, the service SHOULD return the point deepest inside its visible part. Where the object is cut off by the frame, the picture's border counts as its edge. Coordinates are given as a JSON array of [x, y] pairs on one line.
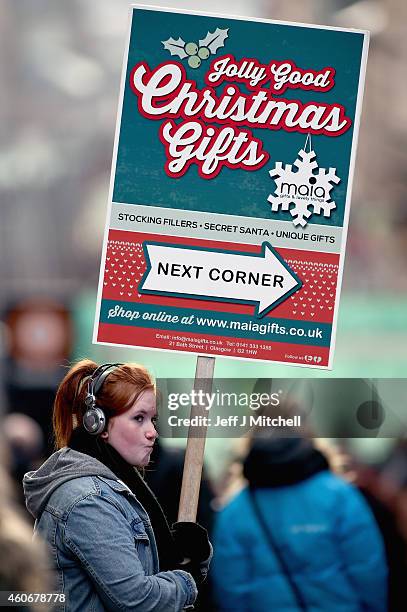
[[109, 538]]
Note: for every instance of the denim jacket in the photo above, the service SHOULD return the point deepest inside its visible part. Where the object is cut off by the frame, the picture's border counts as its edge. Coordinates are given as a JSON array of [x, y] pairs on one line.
[[101, 540]]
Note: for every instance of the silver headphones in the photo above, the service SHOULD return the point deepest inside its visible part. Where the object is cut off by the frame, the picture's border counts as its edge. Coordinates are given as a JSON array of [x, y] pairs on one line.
[[94, 419]]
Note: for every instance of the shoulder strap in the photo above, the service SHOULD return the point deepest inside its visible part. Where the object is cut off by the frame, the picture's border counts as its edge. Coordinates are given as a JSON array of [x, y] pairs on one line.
[[269, 537]]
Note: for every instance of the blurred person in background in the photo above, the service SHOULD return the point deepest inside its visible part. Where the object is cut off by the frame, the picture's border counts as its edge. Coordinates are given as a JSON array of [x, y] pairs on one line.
[[108, 534], [383, 492], [297, 537], [39, 337], [164, 477], [25, 441], [402, 515], [23, 561]]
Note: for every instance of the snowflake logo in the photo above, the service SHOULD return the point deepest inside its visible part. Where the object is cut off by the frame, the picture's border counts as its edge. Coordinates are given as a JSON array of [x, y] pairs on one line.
[[303, 188]]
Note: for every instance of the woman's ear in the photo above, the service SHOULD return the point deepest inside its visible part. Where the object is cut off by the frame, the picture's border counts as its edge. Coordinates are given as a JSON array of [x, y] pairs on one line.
[[104, 435]]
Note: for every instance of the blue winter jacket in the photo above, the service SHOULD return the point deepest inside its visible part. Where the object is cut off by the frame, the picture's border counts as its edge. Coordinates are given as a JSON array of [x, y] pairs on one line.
[[329, 541]]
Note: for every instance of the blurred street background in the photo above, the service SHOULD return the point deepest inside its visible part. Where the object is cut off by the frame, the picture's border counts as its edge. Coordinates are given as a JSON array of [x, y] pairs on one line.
[[60, 71]]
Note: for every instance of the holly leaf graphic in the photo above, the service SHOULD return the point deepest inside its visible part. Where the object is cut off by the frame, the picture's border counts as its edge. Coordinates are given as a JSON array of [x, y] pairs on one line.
[[175, 47], [214, 40]]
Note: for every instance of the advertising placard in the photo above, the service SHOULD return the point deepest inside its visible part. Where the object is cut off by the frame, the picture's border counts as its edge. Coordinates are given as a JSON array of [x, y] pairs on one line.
[[230, 189]]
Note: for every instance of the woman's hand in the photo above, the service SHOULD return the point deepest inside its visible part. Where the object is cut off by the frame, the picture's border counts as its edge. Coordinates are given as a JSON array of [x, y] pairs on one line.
[[191, 540]]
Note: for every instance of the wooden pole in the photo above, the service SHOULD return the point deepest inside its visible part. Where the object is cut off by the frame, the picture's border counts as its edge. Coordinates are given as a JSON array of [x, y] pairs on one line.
[[194, 455]]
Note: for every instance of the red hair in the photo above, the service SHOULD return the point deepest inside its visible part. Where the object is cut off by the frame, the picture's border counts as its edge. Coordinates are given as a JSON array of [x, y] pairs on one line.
[[120, 390]]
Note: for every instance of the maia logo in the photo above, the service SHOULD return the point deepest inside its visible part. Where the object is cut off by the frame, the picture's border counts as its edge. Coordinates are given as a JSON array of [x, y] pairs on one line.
[[287, 190], [300, 191]]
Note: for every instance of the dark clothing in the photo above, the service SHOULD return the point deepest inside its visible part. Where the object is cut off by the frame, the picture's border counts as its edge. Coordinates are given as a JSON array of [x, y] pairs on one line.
[[283, 462], [164, 477]]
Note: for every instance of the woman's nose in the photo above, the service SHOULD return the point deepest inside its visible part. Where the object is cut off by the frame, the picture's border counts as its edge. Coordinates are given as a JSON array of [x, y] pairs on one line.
[[151, 432]]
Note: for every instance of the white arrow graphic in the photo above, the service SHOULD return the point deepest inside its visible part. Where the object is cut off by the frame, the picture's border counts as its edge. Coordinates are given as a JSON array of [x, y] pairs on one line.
[[227, 276]]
